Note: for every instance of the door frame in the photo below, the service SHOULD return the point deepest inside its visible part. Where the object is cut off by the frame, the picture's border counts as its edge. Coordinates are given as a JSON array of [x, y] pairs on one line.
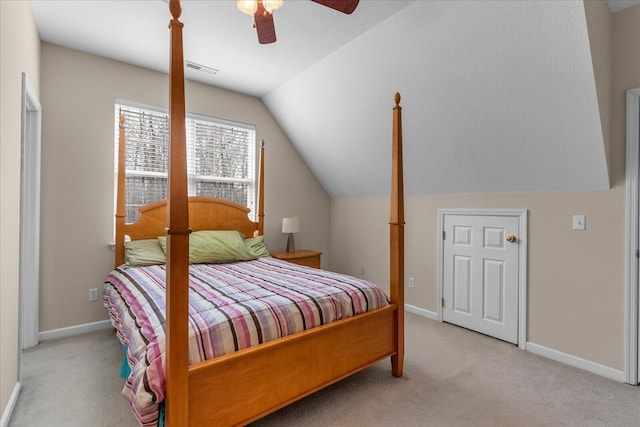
[[631, 333], [521, 214], [30, 217]]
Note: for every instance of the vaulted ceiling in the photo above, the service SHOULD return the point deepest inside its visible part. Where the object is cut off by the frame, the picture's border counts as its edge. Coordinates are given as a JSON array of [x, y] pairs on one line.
[[497, 96]]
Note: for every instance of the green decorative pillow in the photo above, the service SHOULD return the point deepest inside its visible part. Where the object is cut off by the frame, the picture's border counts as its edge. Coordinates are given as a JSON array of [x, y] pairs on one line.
[[143, 252], [215, 246], [255, 246]]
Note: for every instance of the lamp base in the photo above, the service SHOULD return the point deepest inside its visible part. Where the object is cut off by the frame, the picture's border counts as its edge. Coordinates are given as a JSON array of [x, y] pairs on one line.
[[291, 247]]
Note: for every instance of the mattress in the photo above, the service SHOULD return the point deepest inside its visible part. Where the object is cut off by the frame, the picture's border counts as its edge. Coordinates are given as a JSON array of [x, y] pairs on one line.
[[231, 307]]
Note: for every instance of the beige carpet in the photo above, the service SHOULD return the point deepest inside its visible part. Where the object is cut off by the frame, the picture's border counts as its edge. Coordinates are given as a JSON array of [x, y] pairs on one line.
[[453, 377]]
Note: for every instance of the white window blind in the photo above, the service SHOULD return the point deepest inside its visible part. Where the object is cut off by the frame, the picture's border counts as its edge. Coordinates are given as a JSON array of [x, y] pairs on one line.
[[220, 157]]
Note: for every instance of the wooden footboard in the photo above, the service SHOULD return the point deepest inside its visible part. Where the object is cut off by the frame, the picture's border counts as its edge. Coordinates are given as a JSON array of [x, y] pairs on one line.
[[241, 387]]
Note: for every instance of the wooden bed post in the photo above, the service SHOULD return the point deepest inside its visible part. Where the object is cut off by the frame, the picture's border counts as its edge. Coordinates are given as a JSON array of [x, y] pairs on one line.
[[397, 235], [177, 361], [120, 196], [261, 191]]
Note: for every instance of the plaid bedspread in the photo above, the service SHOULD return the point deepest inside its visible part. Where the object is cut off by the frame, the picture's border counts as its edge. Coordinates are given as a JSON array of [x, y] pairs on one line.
[[231, 307]]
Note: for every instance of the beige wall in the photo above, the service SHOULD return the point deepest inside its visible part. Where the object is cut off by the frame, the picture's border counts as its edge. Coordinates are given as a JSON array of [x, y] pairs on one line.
[[19, 52], [575, 279], [599, 27], [625, 55], [78, 94]]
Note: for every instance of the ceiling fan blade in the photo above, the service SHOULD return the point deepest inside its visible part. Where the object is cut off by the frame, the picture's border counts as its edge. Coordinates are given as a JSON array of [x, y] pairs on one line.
[[344, 6], [264, 25]]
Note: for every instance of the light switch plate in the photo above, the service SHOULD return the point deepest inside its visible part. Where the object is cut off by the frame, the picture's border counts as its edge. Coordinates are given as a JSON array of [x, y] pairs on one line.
[[579, 222]]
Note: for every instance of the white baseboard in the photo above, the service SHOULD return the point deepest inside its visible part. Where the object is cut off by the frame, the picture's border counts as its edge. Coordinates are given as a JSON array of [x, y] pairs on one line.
[[421, 312], [549, 353], [74, 330], [558, 356], [576, 362], [8, 411]]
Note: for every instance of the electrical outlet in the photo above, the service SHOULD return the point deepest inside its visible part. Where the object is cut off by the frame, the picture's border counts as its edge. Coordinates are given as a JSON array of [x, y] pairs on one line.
[[93, 294], [412, 282]]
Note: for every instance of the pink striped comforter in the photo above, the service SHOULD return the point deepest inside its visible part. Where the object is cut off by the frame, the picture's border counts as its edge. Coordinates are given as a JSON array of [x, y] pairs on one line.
[[231, 307]]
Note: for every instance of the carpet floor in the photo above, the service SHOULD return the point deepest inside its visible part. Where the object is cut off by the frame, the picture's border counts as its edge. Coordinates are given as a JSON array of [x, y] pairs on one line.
[[452, 377]]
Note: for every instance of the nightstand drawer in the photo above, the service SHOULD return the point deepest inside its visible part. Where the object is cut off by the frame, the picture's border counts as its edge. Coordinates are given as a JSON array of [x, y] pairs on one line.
[[302, 257]]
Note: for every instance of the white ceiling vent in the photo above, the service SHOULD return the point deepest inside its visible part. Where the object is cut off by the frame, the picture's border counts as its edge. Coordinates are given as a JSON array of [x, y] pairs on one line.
[[202, 68]]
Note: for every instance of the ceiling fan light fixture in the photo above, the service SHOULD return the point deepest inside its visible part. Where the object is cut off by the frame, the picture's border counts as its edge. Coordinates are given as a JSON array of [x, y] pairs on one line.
[[251, 6]]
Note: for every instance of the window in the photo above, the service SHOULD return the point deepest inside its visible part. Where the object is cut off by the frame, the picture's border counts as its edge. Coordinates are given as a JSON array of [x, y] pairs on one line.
[[220, 157]]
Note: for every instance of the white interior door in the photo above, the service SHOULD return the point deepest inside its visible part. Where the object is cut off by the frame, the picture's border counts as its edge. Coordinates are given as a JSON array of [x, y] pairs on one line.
[[480, 274]]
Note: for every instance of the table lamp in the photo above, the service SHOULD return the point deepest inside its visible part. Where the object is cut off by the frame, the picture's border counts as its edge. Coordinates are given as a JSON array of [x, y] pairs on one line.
[[290, 226]]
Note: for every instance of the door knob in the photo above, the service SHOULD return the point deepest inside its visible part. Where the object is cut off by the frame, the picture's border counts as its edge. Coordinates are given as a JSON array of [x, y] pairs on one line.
[[511, 238]]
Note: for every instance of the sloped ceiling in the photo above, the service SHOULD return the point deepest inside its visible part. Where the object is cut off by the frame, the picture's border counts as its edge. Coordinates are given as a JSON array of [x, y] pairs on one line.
[[497, 96]]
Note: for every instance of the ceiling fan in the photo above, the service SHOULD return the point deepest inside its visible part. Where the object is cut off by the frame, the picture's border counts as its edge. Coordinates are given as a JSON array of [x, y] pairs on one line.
[[262, 11]]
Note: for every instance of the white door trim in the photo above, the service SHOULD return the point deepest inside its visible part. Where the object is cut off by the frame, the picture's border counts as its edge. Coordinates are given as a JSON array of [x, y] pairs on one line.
[[30, 217], [631, 272], [521, 214]]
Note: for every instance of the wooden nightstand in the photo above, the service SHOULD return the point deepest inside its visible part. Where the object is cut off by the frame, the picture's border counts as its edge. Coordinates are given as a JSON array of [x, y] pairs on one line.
[[302, 257]]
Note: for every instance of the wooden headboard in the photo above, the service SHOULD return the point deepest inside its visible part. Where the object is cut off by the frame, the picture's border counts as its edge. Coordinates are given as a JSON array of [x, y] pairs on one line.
[[205, 213]]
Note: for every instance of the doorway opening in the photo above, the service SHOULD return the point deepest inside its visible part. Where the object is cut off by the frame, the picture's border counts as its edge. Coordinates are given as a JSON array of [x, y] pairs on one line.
[[29, 219], [632, 303]]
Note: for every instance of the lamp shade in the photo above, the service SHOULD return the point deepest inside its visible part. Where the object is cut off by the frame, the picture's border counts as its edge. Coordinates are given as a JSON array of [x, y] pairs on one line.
[[290, 225], [247, 6], [250, 6], [272, 5]]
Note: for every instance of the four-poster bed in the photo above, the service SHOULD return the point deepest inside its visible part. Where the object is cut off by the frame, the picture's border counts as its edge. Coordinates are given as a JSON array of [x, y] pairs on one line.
[[242, 386]]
